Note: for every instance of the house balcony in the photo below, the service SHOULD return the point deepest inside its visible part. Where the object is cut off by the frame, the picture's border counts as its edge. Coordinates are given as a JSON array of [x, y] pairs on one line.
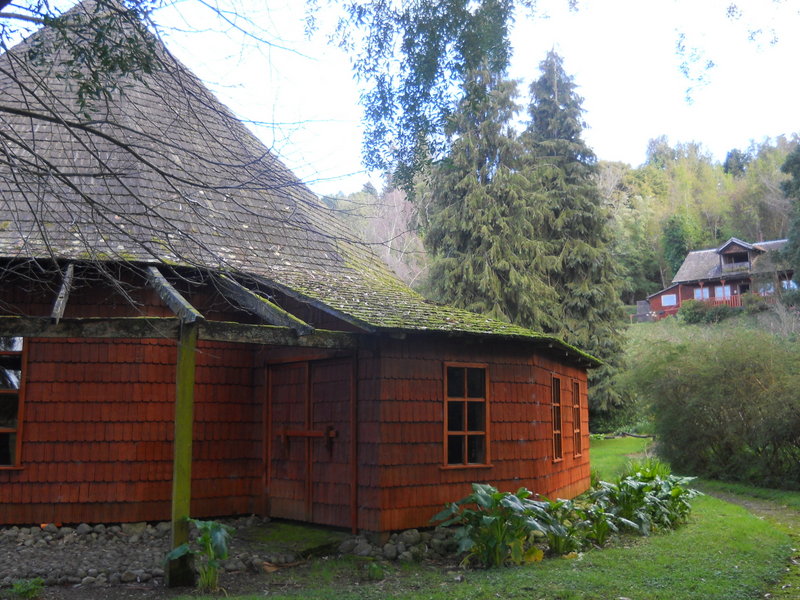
[[737, 267]]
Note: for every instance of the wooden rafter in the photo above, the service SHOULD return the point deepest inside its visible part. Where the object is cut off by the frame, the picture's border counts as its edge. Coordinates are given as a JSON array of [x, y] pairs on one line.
[[262, 307], [63, 294], [172, 297]]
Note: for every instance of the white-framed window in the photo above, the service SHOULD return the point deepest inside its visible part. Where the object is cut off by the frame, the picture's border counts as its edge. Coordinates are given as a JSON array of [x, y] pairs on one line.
[[722, 291], [701, 293], [789, 284], [669, 300]]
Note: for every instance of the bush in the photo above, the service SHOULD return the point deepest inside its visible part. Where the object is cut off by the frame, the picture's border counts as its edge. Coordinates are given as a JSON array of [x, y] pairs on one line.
[[694, 312], [726, 405], [755, 303]]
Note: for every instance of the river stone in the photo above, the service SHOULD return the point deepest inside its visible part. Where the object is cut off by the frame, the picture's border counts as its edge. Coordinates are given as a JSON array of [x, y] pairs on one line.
[[410, 537], [363, 548], [389, 551]]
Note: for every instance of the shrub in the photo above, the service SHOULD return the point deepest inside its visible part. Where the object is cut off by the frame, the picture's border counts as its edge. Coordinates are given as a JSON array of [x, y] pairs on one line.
[[28, 588], [725, 405], [496, 528], [695, 312], [755, 303]]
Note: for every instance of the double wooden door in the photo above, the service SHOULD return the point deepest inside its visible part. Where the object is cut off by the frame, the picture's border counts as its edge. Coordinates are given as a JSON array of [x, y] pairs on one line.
[[309, 463]]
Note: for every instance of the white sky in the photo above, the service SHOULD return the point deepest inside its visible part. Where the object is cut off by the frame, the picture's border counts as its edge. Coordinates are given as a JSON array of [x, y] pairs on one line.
[[620, 52]]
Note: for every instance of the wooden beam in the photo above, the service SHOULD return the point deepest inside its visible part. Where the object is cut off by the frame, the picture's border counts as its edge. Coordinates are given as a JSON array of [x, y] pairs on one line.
[[262, 307], [63, 294], [172, 297], [169, 327], [179, 571], [118, 327], [271, 335]]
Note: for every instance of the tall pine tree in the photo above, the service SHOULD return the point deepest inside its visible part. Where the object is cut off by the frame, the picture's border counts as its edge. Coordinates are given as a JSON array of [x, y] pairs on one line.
[[483, 232], [561, 169]]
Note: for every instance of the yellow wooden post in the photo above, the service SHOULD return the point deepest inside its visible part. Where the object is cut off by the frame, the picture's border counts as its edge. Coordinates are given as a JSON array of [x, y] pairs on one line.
[[180, 572]]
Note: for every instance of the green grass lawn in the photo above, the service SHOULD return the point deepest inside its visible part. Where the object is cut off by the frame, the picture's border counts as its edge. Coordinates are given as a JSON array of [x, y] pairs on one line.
[[609, 457], [723, 553]]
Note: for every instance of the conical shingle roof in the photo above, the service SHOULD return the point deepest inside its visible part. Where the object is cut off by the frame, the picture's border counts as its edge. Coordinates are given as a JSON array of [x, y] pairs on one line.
[[162, 172]]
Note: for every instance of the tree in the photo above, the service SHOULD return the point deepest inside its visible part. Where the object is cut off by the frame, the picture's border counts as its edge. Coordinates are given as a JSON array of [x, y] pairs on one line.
[[736, 162], [584, 274], [791, 188], [414, 58], [482, 230]]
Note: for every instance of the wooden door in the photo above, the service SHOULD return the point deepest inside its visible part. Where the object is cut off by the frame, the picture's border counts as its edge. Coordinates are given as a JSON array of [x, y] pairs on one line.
[[309, 464]]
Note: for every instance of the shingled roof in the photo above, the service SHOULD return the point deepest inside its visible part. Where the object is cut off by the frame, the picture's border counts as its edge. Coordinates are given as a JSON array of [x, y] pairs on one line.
[[702, 265], [164, 173]]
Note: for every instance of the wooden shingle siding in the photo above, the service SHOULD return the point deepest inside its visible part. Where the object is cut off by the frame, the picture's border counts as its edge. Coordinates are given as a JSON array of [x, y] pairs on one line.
[[98, 433], [414, 483]]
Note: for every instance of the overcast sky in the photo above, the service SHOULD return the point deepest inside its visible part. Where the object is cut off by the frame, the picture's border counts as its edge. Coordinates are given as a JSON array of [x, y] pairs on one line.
[[622, 54]]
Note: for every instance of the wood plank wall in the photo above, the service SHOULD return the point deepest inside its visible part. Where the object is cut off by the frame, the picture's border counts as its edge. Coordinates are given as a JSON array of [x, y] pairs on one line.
[[412, 483], [97, 439]]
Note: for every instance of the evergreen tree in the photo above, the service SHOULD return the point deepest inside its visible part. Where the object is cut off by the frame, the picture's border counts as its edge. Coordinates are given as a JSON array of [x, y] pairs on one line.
[[482, 231], [584, 273]]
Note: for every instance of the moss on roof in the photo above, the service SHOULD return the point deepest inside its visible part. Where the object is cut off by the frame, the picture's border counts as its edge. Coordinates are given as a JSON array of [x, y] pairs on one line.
[[189, 185]]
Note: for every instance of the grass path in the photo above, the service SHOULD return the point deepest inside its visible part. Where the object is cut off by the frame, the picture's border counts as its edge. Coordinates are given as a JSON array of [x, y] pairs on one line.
[[779, 509]]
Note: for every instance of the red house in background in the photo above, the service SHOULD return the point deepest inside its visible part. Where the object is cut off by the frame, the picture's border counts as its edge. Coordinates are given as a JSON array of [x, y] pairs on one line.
[[722, 275], [182, 321]]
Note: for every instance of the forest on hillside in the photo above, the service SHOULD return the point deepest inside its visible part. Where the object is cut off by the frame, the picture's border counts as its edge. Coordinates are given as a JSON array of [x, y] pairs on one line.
[[679, 199]]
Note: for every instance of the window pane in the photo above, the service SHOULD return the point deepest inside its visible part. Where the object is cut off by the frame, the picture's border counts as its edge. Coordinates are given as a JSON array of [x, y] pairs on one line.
[[455, 449], [13, 344], [455, 416], [8, 410], [9, 379], [476, 449], [476, 416], [455, 382], [669, 300], [8, 444], [476, 383]]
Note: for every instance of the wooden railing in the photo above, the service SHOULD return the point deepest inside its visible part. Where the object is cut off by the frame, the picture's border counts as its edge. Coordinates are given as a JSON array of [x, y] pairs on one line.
[[732, 301]]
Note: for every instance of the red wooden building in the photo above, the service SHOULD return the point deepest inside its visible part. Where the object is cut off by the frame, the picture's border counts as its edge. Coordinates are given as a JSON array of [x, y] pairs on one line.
[[723, 275], [175, 307]]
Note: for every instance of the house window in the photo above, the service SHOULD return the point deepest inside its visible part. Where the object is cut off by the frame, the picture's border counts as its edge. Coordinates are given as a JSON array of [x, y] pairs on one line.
[[722, 291], [558, 446], [466, 418], [788, 284], [669, 300], [701, 293], [10, 399], [577, 431]]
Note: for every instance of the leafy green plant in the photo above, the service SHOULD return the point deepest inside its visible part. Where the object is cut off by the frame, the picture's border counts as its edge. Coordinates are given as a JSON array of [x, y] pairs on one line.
[[646, 496], [212, 539], [28, 588], [563, 524], [495, 528], [599, 524]]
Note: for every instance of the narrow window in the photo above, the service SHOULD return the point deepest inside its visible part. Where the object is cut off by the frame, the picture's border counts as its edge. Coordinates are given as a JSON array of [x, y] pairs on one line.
[[558, 452], [576, 418], [10, 399], [465, 416]]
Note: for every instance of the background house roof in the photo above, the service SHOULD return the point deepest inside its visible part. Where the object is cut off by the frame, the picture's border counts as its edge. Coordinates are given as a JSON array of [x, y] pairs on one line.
[[162, 172], [701, 265]]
